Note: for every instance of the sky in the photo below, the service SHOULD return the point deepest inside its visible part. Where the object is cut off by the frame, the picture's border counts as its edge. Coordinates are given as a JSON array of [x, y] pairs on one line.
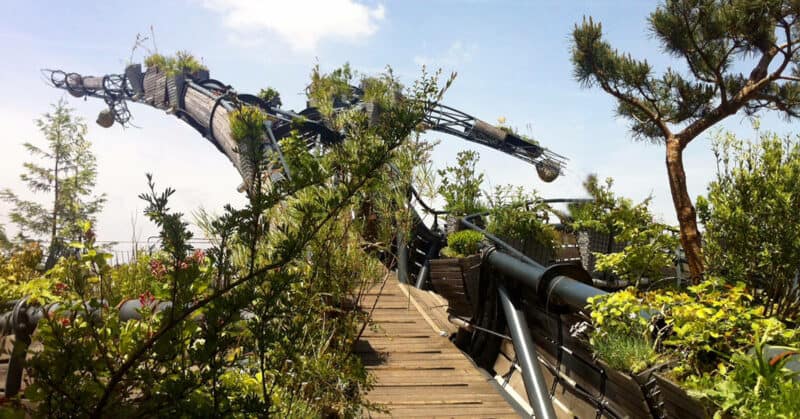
[[512, 60]]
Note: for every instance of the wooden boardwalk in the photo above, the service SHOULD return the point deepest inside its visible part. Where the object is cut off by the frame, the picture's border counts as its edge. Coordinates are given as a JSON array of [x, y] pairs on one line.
[[419, 372]]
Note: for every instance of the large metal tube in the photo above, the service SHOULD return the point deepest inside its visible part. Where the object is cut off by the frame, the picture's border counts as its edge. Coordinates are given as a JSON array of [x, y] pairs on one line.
[[402, 259], [566, 290], [425, 271], [16, 364], [571, 292], [535, 386], [529, 274]]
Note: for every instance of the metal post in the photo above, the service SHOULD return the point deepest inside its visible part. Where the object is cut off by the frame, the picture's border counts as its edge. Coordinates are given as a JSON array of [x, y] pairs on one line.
[[402, 259], [426, 266], [535, 386], [16, 364]]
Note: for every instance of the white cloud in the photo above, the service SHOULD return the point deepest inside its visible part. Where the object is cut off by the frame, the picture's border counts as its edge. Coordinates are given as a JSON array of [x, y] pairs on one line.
[[456, 55], [300, 23]]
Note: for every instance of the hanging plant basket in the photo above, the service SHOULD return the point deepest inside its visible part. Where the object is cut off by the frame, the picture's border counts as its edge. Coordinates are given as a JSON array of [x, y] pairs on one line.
[[456, 279]]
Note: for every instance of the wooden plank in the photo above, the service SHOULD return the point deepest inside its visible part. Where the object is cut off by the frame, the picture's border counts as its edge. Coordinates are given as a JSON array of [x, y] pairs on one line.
[[418, 371]]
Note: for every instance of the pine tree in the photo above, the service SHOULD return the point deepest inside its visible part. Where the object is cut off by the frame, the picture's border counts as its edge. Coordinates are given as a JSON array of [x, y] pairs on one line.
[[4, 242], [67, 171], [715, 38]]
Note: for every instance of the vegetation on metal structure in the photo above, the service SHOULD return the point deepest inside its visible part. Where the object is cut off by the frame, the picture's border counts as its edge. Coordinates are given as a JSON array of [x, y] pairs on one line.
[[264, 322]]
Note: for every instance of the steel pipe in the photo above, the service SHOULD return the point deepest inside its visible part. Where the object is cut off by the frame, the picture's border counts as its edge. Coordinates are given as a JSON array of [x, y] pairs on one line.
[[535, 386], [402, 259], [16, 364], [565, 290], [425, 271]]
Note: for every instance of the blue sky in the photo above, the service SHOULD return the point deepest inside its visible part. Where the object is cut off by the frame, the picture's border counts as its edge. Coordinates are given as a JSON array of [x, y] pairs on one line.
[[512, 59]]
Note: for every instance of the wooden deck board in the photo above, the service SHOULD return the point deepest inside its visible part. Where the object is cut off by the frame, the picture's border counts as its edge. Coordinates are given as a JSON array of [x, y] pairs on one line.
[[419, 373]]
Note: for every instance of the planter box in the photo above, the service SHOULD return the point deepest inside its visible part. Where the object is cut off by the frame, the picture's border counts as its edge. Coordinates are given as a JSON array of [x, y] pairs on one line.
[[456, 280], [155, 88], [676, 403], [175, 91], [591, 242], [533, 249], [646, 394], [133, 73]]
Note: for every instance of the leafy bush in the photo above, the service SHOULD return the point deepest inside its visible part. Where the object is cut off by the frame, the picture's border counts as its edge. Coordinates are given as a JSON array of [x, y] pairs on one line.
[[461, 187], [518, 216], [463, 243], [326, 89], [649, 246], [757, 386], [181, 62], [752, 219], [20, 275], [698, 328], [270, 96]]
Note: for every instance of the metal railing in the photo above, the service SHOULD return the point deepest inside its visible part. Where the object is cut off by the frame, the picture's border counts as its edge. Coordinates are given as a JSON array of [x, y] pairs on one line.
[[564, 286]]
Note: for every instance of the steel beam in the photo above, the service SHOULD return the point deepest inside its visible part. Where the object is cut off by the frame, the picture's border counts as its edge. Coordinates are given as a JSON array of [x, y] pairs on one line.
[[402, 259], [425, 271], [535, 386], [568, 291]]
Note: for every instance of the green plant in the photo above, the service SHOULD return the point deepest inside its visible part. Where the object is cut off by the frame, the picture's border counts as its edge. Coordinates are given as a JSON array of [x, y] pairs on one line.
[[753, 385], [520, 216], [712, 37], [460, 186], [698, 328], [265, 323], [326, 89], [381, 90], [649, 246], [20, 275], [463, 243], [270, 96], [515, 132], [181, 62], [624, 352], [752, 220]]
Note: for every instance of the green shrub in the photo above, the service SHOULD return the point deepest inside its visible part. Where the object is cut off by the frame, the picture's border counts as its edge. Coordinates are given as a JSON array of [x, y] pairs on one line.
[[463, 243], [753, 385], [325, 89], [624, 352], [752, 219], [181, 62], [518, 216], [699, 329], [461, 187], [649, 246], [247, 123], [270, 95]]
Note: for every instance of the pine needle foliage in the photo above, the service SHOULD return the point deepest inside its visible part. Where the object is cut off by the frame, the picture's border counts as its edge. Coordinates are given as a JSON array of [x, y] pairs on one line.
[[738, 55]]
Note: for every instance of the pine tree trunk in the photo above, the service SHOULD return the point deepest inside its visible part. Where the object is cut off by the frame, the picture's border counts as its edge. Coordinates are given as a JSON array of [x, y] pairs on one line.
[[51, 254], [687, 217]]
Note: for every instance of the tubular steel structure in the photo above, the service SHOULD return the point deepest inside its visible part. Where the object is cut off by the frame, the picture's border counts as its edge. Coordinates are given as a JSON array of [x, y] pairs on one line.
[[205, 103]]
